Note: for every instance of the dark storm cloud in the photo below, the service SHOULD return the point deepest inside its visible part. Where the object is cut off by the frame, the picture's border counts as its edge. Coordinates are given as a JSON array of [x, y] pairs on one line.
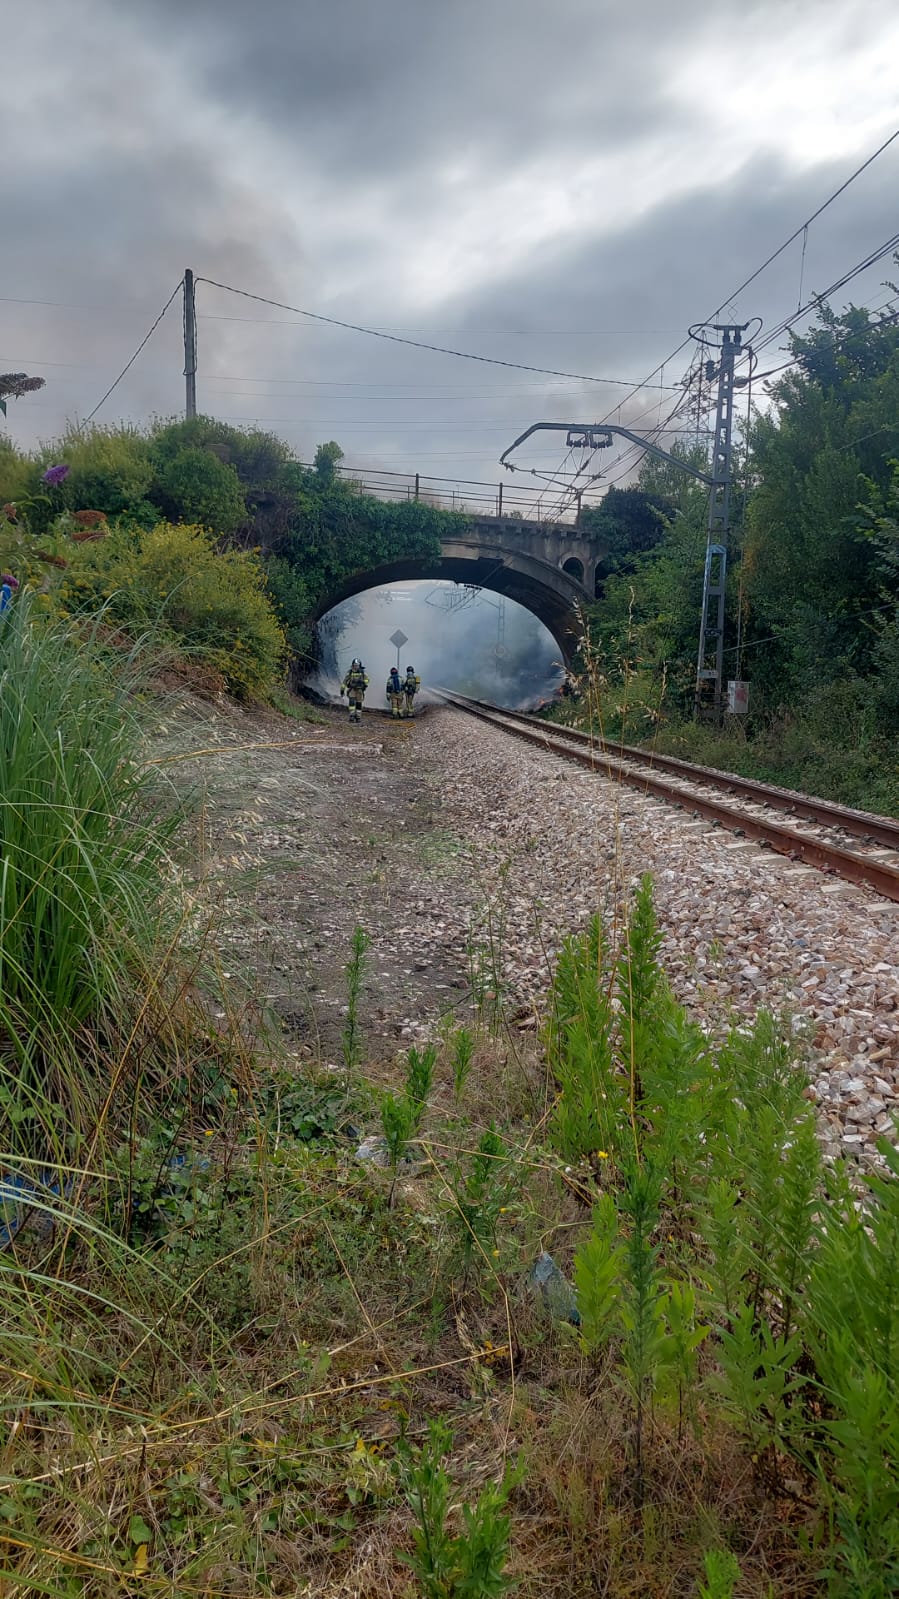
[[395, 87], [495, 171]]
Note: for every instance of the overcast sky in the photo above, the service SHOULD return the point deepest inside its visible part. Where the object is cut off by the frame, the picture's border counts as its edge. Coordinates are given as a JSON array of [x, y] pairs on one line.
[[563, 183]]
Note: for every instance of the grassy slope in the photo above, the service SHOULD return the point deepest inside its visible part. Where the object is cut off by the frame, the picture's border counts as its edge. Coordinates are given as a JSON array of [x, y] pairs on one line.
[[222, 1345]]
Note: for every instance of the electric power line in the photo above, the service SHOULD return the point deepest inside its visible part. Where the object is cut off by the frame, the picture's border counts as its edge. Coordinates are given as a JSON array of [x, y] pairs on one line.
[[416, 344], [769, 259], [816, 300], [144, 340], [813, 218]]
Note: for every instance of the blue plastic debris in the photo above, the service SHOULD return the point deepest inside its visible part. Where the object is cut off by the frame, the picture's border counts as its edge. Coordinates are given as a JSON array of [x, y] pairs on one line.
[[555, 1290], [25, 1199]]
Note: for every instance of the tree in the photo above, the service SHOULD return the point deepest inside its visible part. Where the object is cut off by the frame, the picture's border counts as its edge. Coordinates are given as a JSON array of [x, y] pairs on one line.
[[327, 459], [629, 522], [811, 572]]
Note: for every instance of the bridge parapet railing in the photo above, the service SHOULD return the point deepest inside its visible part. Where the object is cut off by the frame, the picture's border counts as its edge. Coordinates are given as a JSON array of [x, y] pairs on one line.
[[469, 496]]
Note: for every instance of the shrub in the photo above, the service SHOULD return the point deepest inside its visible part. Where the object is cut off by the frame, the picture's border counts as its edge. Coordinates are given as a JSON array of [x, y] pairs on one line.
[[212, 602], [109, 470], [472, 1564], [196, 486], [257, 457], [292, 601]]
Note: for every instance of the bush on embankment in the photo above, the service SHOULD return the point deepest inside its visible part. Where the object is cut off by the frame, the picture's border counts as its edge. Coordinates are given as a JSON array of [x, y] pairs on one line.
[[313, 526], [207, 605], [212, 604]]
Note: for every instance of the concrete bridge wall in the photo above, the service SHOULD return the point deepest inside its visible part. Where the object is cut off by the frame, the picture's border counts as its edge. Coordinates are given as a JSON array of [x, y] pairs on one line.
[[549, 570], [556, 544]]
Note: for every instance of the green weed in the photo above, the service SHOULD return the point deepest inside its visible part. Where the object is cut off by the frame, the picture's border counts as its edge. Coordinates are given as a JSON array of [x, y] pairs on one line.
[[402, 1114], [355, 971], [466, 1565]]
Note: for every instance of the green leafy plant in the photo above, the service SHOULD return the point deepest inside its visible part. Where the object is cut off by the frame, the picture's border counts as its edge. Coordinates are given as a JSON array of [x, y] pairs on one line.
[[401, 1114], [210, 603], [462, 1045], [757, 1366], [722, 1571], [480, 1190], [590, 1113], [851, 1319], [598, 1267], [679, 1352], [642, 1303], [355, 971], [466, 1565]]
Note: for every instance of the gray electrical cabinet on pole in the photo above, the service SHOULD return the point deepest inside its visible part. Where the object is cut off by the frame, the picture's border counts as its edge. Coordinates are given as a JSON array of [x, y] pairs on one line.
[[710, 660], [190, 346]]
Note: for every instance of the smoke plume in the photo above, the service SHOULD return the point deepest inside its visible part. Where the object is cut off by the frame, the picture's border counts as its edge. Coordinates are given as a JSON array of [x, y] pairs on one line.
[[474, 642]]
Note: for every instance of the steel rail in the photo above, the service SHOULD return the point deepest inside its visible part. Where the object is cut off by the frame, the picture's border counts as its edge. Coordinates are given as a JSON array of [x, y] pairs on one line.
[[856, 868], [866, 825]]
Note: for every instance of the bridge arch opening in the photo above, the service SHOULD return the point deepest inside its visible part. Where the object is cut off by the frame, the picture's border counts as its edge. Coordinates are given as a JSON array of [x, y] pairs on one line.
[[456, 636], [574, 568], [553, 596]]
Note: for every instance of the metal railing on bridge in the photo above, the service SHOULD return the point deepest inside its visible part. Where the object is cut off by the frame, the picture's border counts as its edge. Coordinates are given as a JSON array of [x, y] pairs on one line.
[[470, 495]]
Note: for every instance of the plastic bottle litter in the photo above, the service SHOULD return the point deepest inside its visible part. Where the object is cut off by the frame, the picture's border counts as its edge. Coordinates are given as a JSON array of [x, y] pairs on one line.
[[555, 1290]]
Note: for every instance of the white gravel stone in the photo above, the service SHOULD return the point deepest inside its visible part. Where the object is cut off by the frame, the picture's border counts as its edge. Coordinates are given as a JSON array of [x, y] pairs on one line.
[[550, 843]]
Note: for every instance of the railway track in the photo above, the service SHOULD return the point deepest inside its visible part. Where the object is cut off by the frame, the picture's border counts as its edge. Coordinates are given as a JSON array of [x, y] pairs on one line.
[[855, 845]]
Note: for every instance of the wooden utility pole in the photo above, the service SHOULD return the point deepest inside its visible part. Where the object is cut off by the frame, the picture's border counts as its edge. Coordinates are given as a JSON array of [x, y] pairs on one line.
[[190, 346]]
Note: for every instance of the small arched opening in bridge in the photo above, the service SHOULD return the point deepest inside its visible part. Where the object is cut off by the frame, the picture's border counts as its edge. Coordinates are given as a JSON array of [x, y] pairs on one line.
[[600, 577], [458, 637], [574, 568]]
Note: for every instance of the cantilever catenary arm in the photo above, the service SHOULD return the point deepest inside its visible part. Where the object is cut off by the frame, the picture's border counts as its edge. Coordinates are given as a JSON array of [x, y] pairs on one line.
[[597, 436]]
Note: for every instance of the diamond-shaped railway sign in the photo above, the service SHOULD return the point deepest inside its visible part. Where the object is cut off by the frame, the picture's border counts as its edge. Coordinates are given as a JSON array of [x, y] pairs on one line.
[[398, 639]]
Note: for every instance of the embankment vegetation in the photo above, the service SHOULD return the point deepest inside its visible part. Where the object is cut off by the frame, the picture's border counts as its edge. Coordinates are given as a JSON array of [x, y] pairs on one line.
[[214, 535], [813, 584], [591, 1316]]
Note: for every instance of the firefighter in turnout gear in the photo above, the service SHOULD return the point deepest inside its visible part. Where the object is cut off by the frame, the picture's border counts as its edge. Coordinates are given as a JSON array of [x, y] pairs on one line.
[[353, 686], [395, 692], [411, 685]]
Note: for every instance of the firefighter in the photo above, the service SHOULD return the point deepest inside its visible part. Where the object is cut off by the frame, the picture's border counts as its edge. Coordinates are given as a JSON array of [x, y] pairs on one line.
[[411, 685], [353, 686], [395, 692]]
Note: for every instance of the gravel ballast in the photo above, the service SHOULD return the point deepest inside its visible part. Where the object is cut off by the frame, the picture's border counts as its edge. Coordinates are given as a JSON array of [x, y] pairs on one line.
[[744, 928]]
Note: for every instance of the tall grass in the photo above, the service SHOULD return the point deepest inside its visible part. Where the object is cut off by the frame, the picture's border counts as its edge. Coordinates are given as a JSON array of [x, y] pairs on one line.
[[84, 867]]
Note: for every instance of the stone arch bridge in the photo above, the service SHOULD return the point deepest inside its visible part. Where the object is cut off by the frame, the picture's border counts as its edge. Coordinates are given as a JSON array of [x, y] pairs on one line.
[[549, 568]]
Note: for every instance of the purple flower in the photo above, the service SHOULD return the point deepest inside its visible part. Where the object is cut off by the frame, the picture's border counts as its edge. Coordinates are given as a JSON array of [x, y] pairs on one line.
[[56, 474]]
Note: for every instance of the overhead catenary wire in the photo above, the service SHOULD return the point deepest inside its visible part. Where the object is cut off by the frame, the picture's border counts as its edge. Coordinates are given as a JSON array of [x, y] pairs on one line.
[[816, 300], [395, 337], [803, 226], [417, 344], [769, 259], [145, 340]]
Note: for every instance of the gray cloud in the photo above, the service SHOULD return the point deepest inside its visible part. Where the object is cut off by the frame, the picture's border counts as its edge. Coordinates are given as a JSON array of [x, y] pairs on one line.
[[493, 172]]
